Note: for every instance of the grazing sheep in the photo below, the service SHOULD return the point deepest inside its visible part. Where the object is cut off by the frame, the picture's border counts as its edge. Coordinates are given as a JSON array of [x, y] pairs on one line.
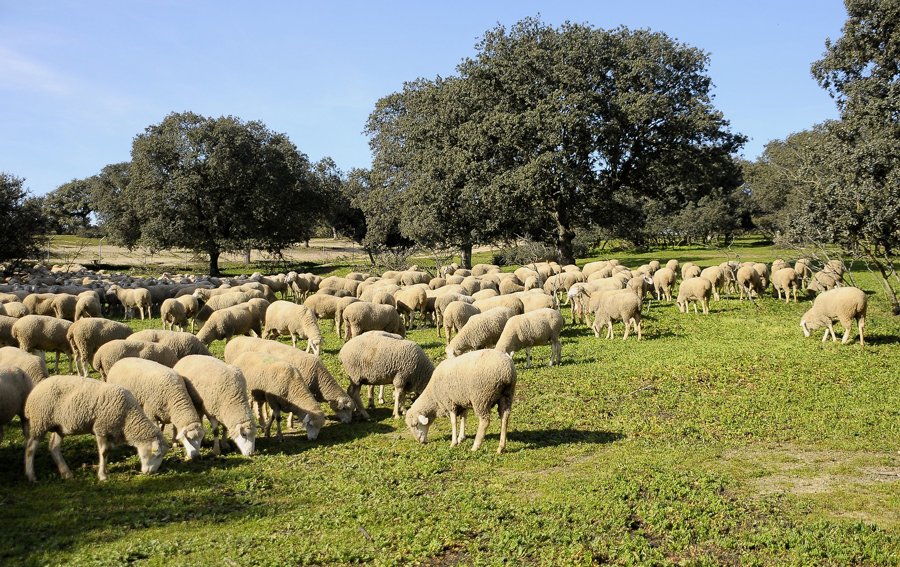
[[344, 302], [641, 285], [611, 306], [843, 304], [226, 323], [87, 306], [748, 280], [85, 336], [730, 269], [14, 309], [64, 306], [15, 385], [481, 331], [672, 265], [535, 299], [182, 343], [324, 306], [273, 381], [39, 303], [763, 271], [804, 270], [779, 264], [73, 405], [786, 279], [663, 283], [821, 282], [44, 333], [509, 301], [363, 316], [298, 321], [442, 301], [319, 381], [112, 352], [164, 398], [221, 301], [716, 277], [377, 358], [6, 325], [690, 270], [694, 290], [139, 298], [173, 314], [34, 366], [534, 328], [479, 380], [191, 308], [219, 392], [456, 315]]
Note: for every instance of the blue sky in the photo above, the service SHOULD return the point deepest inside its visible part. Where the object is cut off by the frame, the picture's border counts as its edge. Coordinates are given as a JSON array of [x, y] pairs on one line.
[[78, 80]]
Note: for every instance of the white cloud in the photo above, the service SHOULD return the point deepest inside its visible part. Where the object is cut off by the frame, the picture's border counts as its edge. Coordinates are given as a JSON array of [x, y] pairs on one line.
[[22, 74]]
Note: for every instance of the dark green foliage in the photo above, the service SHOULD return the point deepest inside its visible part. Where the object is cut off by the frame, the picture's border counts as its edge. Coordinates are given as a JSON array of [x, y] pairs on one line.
[[69, 207], [21, 221]]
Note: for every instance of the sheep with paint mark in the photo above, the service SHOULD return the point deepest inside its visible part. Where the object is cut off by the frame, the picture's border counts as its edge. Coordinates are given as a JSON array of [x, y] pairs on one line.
[[34, 366]]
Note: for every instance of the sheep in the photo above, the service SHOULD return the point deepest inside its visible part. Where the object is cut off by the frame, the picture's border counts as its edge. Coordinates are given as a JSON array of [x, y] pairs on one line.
[[15, 385], [64, 306], [112, 352], [778, 264], [531, 329], [39, 303], [690, 270], [273, 381], [409, 301], [641, 285], [440, 305], [763, 271], [73, 405], [342, 304], [288, 318], [694, 290], [536, 300], [672, 265], [786, 279], [730, 269], [663, 282], [226, 323], [481, 331], [324, 306], [14, 309], [363, 316], [219, 392], [478, 380], [804, 270], [163, 396], [173, 314], [85, 336], [456, 315], [835, 268], [182, 343], [44, 333], [87, 306], [191, 308], [716, 277], [319, 381], [34, 366], [377, 358], [821, 282], [221, 301], [509, 301], [616, 305], [749, 281], [132, 298], [6, 325], [843, 304]]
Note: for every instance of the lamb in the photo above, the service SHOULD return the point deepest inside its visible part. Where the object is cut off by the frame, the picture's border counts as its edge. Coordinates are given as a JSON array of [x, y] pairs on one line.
[[182, 343], [786, 279], [843, 304], [749, 281], [226, 323], [219, 392], [478, 380], [132, 298], [319, 381], [663, 283], [15, 385], [616, 305], [173, 314], [716, 277], [163, 396], [288, 318], [34, 366], [41, 332], [377, 358], [531, 329], [280, 384], [112, 352], [87, 306], [456, 315], [694, 290], [85, 336], [73, 405], [362, 316], [481, 331]]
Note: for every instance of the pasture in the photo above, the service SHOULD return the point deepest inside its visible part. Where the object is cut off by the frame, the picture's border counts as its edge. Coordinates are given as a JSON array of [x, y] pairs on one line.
[[727, 439]]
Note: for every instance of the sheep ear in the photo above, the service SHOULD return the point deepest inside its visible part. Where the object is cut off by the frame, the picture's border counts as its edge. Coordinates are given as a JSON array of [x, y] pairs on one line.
[[155, 448], [306, 419], [180, 436], [422, 419]]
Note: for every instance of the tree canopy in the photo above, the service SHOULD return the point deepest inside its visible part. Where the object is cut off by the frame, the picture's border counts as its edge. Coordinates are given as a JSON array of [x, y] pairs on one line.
[[21, 221], [69, 207]]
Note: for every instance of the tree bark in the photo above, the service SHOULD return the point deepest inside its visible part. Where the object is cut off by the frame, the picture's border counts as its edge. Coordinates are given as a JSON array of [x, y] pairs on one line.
[[465, 256], [214, 263], [247, 252], [895, 305], [564, 237]]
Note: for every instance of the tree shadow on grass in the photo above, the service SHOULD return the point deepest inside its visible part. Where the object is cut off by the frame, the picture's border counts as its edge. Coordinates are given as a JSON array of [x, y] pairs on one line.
[[538, 438]]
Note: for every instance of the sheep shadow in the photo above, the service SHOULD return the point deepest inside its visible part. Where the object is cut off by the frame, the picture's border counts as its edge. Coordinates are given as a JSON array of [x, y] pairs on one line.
[[539, 438], [877, 339]]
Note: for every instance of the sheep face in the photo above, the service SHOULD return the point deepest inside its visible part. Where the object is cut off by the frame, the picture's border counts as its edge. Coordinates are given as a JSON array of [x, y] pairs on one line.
[[418, 425], [343, 408], [312, 427], [450, 352], [152, 455], [191, 437], [244, 436]]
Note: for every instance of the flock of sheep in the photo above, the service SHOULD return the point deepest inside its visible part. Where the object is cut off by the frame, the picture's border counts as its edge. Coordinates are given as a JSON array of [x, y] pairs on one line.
[[158, 377]]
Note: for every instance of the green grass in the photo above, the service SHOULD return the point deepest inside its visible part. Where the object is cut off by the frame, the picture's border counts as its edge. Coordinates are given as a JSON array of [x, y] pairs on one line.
[[727, 439]]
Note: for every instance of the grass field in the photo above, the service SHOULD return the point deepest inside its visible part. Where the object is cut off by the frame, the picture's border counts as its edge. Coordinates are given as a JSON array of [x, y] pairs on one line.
[[727, 439]]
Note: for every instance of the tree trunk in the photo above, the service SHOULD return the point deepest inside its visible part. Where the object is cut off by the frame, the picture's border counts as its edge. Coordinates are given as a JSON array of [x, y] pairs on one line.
[[214, 263], [465, 256], [247, 252], [564, 237], [895, 305]]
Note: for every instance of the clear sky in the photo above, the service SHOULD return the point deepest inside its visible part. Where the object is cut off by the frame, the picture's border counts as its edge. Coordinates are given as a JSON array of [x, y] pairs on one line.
[[78, 80]]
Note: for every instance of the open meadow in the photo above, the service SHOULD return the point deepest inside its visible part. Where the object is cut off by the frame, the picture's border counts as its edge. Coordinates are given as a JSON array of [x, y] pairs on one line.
[[726, 439]]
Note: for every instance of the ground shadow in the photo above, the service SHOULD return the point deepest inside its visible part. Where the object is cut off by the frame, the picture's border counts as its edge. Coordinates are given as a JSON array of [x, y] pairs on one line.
[[538, 438]]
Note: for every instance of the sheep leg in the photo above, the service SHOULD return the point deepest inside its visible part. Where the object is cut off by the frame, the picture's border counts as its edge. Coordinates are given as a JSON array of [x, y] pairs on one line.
[[371, 396], [55, 447], [637, 326], [353, 391], [453, 440], [504, 405], [627, 328], [276, 417], [484, 421], [381, 394], [217, 450], [528, 357], [398, 397], [706, 307], [609, 332], [31, 447], [103, 450], [462, 425]]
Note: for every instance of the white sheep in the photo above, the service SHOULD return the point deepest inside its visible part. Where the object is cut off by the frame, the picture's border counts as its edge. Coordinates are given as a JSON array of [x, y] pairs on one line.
[[138, 298], [273, 381], [173, 314], [664, 282], [34, 366], [220, 301], [509, 301], [481, 331], [690, 270], [182, 343], [73, 405], [378, 358], [324, 306], [112, 352], [716, 277], [163, 396], [534, 328], [787, 280], [6, 325], [64, 306], [456, 315], [843, 304], [87, 306], [821, 282], [15, 385], [695, 290], [748, 280], [43, 333], [318, 379], [342, 304], [442, 301], [479, 380], [15, 309], [85, 336], [226, 323], [298, 321], [219, 392], [363, 316]]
